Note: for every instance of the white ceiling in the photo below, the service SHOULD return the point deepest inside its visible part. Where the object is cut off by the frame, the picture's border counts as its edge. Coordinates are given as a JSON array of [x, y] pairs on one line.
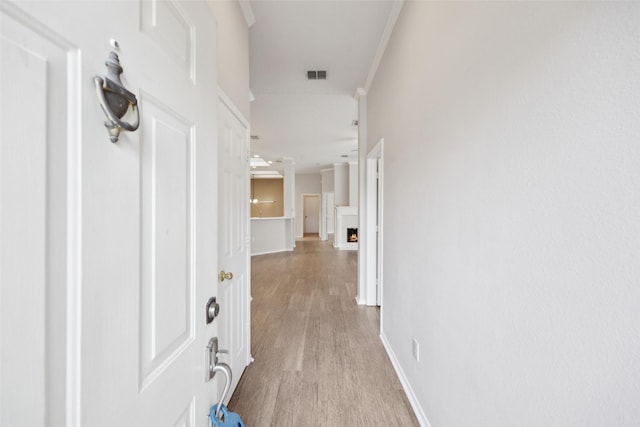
[[310, 121]]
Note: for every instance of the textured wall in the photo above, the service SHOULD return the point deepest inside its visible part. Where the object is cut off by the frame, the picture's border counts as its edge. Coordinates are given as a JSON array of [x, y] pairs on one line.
[[512, 210]]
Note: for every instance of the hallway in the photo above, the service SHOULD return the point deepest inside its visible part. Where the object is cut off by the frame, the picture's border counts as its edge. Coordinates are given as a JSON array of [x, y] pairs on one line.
[[318, 357]]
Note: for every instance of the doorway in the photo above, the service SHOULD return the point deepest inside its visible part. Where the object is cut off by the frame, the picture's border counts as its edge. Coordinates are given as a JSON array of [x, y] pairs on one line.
[[311, 215], [374, 206]]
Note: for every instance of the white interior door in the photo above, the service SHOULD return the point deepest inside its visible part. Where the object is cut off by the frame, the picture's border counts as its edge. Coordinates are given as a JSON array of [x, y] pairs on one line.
[[128, 246], [233, 244], [311, 211]]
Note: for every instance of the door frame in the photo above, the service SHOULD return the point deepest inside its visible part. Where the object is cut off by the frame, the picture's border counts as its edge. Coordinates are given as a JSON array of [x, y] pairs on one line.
[[374, 232], [319, 197], [224, 99], [325, 214]]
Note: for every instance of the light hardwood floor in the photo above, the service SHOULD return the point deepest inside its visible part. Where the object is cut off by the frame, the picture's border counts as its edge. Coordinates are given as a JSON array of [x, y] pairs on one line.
[[318, 356]]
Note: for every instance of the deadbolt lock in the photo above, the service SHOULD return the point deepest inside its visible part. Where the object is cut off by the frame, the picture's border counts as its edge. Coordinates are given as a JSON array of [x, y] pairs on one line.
[[213, 309]]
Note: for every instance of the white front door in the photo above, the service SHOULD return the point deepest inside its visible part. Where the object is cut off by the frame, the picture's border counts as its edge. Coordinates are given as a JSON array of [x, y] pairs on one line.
[[233, 243], [113, 246], [32, 256]]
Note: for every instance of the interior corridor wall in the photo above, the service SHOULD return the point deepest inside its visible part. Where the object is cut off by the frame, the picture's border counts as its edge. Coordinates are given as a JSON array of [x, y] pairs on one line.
[[353, 184], [511, 212], [341, 183], [328, 181]]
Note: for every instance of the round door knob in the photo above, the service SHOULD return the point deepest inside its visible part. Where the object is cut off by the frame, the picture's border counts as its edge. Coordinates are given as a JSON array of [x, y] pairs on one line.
[[223, 275]]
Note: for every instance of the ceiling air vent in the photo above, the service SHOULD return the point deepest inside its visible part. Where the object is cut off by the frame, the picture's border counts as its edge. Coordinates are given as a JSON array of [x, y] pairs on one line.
[[317, 75]]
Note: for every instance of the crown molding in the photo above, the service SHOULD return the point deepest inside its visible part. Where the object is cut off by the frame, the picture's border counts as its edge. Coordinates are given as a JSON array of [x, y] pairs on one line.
[[386, 35], [232, 107], [247, 11]]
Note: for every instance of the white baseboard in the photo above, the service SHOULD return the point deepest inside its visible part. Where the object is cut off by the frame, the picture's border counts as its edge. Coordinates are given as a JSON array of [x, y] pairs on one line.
[[273, 252], [417, 409]]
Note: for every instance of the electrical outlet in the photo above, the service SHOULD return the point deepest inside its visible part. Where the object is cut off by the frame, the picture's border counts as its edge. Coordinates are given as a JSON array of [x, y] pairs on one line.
[[416, 350]]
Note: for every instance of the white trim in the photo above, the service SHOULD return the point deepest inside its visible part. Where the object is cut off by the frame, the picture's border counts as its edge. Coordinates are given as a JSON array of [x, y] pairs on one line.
[[373, 268], [411, 396], [362, 193], [382, 46], [273, 252], [232, 107], [74, 241], [247, 11], [323, 217], [73, 344]]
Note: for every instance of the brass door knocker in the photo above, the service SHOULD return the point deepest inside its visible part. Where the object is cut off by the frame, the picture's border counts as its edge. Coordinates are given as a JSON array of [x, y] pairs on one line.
[[115, 99]]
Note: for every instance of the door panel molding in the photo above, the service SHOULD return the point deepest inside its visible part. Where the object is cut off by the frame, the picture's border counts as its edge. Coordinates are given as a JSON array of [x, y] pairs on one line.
[[61, 206], [169, 26], [167, 227]]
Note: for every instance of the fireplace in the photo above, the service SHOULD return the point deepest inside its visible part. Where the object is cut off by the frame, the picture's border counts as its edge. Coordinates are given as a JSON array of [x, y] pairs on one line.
[[346, 222], [352, 234]]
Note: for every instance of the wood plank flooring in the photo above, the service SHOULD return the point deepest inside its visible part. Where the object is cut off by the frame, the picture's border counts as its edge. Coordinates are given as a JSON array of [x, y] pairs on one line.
[[318, 356]]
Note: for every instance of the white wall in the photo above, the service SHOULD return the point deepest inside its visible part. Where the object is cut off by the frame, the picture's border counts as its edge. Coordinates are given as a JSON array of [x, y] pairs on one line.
[[232, 50], [516, 261], [271, 235], [289, 188], [305, 184], [353, 184], [328, 208], [328, 181], [341, 183]]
